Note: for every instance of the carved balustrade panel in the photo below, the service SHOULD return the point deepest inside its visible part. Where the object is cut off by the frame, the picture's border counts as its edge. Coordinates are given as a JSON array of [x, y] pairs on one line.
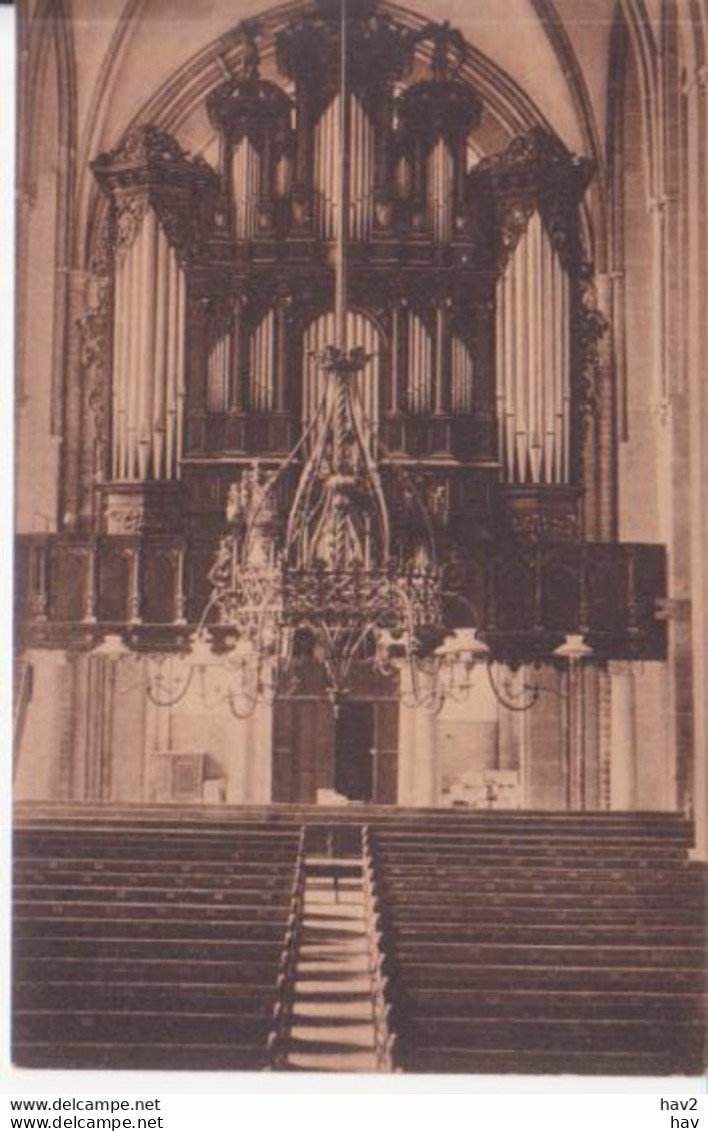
[[523, 594]]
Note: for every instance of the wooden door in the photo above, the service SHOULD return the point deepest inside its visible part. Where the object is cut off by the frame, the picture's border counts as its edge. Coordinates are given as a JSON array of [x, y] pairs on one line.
[[303, 749]]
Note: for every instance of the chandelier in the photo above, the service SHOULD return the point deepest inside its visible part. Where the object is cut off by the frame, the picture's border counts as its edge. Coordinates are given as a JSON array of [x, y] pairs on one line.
[[327, 584]]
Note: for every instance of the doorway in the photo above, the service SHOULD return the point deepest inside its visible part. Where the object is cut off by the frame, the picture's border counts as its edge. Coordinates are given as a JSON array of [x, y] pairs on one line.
[[354, 770]]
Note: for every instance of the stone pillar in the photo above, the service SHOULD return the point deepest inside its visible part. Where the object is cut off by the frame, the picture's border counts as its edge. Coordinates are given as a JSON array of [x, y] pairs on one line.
[[604, 708], [623, 739], [249, 768], [259, 757], [99, 738], [406, 743], [417, 751], [426, 778], [44, 768]]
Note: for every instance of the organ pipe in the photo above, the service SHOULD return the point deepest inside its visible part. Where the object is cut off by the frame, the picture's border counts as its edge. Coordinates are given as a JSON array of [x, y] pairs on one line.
[[362, 171], [148, 357], [262, 365], [361, 331], [245, 181], [533, 362], [420, 366], [219, 364], [462, 372], [440, 175]]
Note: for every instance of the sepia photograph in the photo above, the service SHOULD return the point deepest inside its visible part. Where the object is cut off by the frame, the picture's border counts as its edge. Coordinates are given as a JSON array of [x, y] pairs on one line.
[[360, 685]]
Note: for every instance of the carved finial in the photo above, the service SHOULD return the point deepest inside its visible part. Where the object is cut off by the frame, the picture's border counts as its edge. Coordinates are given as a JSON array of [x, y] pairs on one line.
[[446, 41], [251, 56]]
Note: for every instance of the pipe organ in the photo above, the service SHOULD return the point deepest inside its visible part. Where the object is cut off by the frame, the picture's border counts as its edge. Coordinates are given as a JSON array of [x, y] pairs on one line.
[[464, 274], [148, 387]]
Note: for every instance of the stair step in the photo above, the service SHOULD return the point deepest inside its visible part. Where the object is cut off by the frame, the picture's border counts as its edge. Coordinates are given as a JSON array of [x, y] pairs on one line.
[[343, 1061], [334, 990], [346, 1009], [339, 1031]]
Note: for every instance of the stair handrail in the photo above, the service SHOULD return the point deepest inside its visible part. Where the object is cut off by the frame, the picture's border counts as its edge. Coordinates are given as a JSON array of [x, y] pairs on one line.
[[282, 1010], [384, 1038]]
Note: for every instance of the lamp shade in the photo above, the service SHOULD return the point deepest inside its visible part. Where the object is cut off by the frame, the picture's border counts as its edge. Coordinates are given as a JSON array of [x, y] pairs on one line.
[[200, 653], [573, 648], [112, 647], [463, 644]]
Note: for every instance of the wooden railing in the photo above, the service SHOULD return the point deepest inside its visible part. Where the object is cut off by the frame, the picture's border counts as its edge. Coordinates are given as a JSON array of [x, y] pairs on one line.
[[278, 1039], [259, 434], [523, 597], [381, 989]]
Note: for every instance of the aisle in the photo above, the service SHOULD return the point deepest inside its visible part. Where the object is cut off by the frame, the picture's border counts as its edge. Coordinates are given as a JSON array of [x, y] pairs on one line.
[[332, 1023]]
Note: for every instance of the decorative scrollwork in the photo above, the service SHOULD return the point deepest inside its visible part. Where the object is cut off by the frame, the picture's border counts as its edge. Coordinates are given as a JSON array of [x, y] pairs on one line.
[[513, 221], [535, 172], [590, 326], [540, 526], [130, 212], [126, 521], [95, 340]]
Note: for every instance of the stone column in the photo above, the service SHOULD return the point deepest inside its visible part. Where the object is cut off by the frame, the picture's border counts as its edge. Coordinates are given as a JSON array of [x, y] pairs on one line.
[[249, 768], [259, 756], [417, 753], [623, 739], [425, 793], [406, 743]]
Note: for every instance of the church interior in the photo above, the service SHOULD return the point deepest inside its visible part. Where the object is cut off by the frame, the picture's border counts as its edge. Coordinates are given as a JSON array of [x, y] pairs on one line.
[[361, 549]]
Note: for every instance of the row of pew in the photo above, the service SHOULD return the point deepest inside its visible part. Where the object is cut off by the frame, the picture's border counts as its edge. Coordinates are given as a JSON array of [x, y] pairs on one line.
[[498, 942], [535, 943], [151, 944]]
